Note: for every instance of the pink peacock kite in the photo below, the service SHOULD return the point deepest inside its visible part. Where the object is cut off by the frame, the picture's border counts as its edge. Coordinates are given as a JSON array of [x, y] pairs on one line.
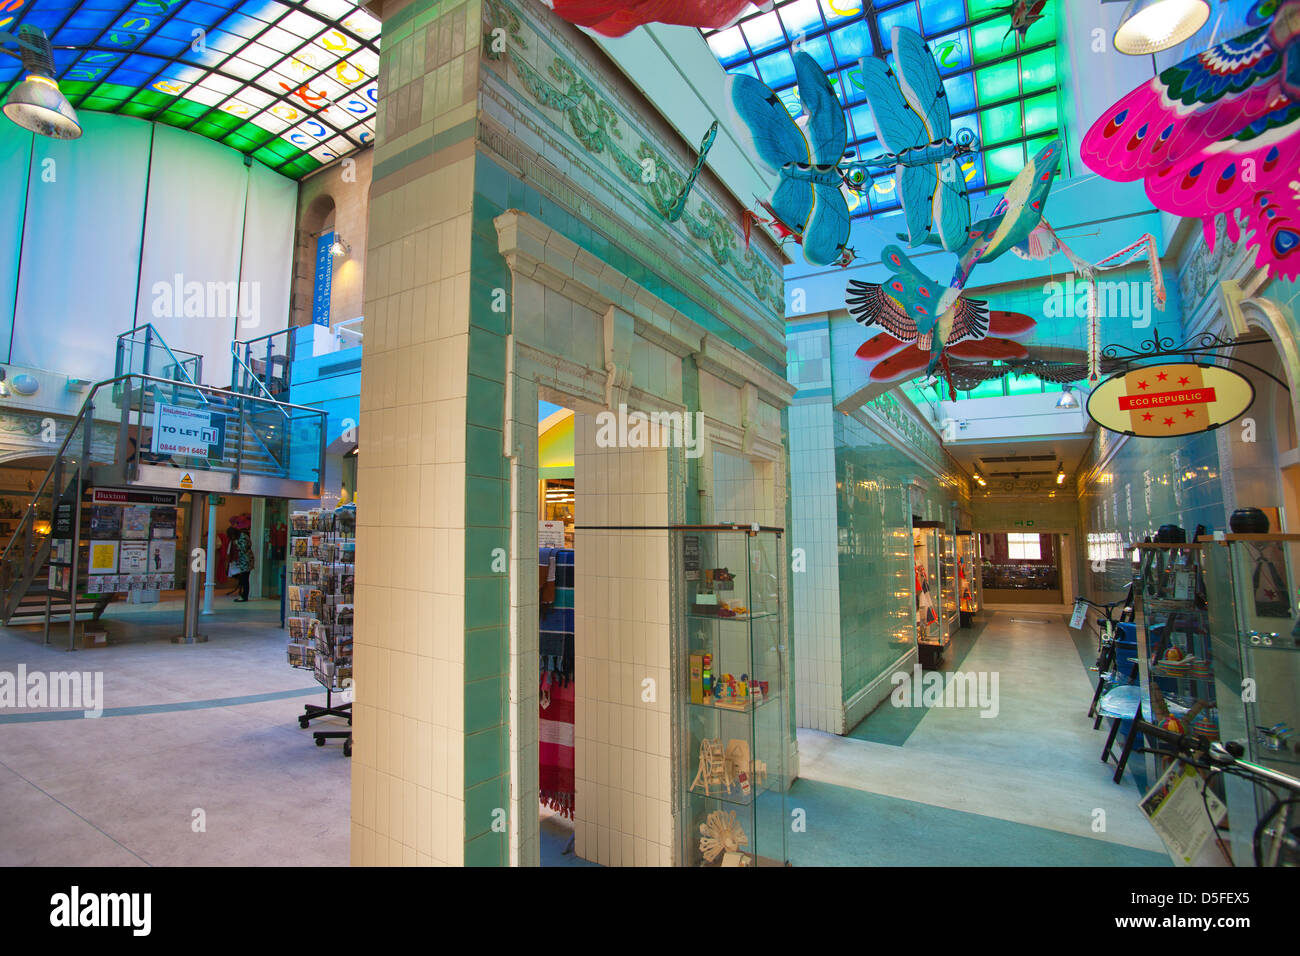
[[1220, 133]]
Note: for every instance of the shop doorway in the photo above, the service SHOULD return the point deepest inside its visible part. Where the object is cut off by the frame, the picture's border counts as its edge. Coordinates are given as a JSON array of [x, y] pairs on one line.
[[1022, 568], [556, 559]]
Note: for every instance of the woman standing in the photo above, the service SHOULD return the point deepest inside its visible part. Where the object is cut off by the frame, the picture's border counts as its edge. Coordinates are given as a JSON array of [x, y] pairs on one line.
[[244, 562]]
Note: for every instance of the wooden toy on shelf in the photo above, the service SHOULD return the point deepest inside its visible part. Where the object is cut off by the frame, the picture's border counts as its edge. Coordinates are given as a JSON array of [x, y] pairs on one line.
[[739, 767], [712, 773], [721, 834]]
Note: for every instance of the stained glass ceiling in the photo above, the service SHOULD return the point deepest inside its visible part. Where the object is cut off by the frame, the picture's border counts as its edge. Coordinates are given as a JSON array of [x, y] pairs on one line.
[[1003, 88], [290, 82]]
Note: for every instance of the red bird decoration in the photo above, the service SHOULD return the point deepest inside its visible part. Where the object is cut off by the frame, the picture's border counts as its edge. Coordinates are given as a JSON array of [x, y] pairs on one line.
[[614, 18], [1024, 14]]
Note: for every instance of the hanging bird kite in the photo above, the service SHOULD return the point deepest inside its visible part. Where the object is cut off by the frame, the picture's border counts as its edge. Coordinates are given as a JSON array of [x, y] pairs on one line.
[[937, 313], [1024, 14], [807, 203], [1044, 241], [615, 18], [1219, 133], [910, 111], [893, 358]]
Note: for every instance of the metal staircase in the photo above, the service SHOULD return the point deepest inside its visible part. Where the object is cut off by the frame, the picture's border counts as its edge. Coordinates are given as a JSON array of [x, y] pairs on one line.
[[265, 447]]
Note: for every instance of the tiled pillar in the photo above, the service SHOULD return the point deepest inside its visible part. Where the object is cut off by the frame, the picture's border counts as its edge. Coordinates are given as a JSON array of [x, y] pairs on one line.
[[622, 720], [419, 722]]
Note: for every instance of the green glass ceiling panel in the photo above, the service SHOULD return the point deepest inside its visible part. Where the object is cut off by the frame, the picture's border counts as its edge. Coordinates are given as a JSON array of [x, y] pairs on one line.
[[986, 71], [302, 71]]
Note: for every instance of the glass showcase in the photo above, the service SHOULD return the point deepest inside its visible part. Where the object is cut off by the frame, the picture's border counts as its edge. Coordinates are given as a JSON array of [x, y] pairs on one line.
[[935, 571], [969, 598], [1255, 629], [734, 703]]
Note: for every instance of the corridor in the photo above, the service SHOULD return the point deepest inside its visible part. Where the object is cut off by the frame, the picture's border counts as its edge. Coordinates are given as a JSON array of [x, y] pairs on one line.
[[948, 787]]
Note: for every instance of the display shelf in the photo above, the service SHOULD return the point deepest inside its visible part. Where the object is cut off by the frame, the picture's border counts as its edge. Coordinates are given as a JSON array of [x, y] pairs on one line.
[[320, 578], [936, 597], [734, 716]]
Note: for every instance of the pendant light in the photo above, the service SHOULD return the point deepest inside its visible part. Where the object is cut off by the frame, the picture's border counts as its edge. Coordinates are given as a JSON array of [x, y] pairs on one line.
[[36, 103], [1149, 26]]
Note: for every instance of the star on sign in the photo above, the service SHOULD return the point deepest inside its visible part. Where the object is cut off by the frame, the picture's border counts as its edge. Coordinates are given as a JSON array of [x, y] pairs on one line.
[[1162, 376], [1142, 385], [1184, 380], [1189, 413], [1146, 417], [1169, 422]]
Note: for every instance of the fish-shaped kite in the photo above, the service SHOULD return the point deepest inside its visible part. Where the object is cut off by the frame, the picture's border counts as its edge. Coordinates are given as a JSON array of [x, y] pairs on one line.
[[909, 108], [1219, 133], [807, 203], [1024, 14], [615, 18]]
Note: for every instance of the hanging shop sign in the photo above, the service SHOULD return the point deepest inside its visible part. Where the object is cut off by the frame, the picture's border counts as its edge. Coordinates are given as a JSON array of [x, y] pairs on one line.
[[189, 431], [1164, 400]]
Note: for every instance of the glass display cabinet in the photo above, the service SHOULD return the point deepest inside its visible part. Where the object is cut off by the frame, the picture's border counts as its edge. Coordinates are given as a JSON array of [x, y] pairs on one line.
[[1250, 583], [1176, 656], [733, 701], [935, 583], [968, 577]]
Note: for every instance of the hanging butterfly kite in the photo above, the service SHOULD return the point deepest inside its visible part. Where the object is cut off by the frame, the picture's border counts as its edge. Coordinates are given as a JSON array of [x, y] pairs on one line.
[[1219, 133], [909, 108], [807, 204], [1024, 14], [911, 300], [615, 18]]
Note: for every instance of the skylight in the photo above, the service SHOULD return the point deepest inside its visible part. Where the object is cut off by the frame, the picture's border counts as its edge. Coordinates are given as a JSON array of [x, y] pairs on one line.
[[293, 84]]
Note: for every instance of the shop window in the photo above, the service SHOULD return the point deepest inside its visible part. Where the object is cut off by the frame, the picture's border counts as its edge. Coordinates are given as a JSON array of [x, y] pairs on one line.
[[1024, 547]]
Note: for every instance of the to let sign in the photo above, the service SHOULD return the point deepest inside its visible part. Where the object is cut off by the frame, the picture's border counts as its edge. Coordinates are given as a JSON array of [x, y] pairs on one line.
[[1160, 401], [188, 431]]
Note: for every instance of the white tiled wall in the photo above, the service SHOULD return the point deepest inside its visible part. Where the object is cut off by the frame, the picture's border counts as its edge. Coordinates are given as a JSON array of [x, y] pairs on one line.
[[622, 724], [819, 701]]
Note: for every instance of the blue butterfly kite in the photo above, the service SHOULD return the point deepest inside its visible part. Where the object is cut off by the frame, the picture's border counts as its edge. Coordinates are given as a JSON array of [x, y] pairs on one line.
[[910, 109], [807, 203]]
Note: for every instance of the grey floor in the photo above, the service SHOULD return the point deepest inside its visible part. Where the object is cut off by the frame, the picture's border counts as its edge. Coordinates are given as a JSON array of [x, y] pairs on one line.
[[208, 733], [197, 760]]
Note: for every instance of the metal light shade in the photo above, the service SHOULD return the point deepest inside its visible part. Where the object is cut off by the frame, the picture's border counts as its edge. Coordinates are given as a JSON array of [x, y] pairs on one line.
[[1067, 399], [1149, 26], [36, 104]]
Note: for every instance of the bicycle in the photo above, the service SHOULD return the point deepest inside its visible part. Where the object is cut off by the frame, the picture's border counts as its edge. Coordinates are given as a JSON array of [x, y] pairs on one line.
[[1106, 641], [1276, 840]]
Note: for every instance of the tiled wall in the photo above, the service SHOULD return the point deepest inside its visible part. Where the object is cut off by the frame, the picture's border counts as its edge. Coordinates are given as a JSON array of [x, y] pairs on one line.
[[622, 723], [874, 518], [815, 582], [413, 713]]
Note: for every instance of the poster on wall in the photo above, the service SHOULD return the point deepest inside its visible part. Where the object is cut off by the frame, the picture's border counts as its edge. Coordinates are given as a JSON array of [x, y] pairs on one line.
[[162, 557], [550, 534], [103, 557], [135, 521], [162, 523], [1165, 401], [105, 522], [133, 558]]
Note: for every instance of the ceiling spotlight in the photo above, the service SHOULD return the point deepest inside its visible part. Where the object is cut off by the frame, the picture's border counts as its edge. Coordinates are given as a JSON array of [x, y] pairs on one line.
[[1060, 473], [340, 248], [1067, 399], [1149, 26], [36, 104], [980, 478]]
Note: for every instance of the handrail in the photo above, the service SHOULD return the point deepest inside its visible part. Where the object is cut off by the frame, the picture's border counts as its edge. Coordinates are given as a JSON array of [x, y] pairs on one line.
[[268, 335], [234, 353], [88, 405], [178, 363]]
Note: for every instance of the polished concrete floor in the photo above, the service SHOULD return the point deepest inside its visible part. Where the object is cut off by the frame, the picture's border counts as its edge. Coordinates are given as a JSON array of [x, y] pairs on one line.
[[207, 734], [1025, 785], [198, 758]]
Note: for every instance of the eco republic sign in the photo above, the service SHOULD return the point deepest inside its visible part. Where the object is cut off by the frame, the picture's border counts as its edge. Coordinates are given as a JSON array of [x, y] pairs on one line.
[[1158, 401], [189, 431]]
